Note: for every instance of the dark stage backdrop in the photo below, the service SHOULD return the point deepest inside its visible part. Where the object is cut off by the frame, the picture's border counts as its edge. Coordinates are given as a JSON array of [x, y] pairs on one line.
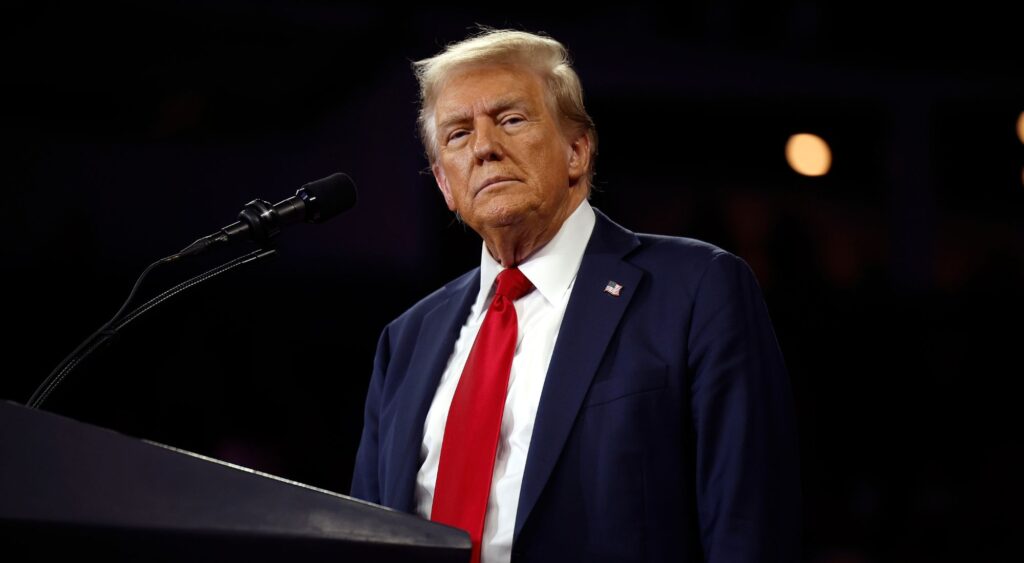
[[895, 282]]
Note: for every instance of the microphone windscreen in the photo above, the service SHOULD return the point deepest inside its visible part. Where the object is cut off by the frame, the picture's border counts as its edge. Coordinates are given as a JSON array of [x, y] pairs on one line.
[[328, 196]]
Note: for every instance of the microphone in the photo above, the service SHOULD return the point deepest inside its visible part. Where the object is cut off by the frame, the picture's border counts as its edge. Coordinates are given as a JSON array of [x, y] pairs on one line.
[[314, 202], [259, 221]]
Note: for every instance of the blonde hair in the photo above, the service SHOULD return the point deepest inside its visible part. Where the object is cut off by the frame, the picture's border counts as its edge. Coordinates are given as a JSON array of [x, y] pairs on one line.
[[545, 56]]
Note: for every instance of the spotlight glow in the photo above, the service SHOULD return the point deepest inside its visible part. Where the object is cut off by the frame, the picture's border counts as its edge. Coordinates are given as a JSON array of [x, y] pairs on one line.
[[808, 154], [1020, 127]]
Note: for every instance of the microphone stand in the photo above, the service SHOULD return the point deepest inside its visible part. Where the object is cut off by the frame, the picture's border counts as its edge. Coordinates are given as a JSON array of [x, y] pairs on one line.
[[115, 324]]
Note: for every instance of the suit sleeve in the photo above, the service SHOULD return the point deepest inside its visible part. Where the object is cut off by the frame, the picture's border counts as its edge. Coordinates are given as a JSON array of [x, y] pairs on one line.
[[366, 475], [747, 461]]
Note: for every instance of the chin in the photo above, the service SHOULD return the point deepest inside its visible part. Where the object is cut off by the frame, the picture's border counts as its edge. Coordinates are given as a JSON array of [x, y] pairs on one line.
[[508, 215], [504, 213], [503, 218]]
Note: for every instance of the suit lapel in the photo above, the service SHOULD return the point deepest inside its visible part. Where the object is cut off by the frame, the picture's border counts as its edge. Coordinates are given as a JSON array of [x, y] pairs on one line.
[[590, 320], [434, 345]]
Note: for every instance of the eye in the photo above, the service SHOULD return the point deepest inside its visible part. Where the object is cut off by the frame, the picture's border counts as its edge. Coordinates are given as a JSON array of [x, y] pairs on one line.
[[457, 134], [512, 120]]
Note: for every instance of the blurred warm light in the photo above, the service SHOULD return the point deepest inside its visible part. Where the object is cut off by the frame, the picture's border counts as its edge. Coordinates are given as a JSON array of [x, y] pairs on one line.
[[808, 154], [1020, 127]]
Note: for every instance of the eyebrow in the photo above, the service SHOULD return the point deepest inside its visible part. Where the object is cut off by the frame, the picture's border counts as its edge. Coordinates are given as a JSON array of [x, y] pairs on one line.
[[498, 106]]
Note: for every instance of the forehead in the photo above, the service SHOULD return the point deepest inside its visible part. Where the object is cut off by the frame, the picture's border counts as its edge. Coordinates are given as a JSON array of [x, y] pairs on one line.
[[480, 88]]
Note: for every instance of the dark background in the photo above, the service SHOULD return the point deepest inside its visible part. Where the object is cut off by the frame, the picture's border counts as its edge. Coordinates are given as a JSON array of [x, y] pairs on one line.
[[895, 282]]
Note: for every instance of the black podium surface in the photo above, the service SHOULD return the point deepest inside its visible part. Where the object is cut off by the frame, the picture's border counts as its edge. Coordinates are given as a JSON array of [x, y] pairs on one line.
[[72, 489]]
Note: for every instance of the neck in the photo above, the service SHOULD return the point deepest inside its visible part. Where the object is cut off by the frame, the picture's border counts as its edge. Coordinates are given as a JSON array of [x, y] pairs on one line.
[[512, 244], [512, 248]]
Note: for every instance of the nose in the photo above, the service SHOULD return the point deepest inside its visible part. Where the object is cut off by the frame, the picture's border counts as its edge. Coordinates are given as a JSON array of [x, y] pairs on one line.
[[487, 142]]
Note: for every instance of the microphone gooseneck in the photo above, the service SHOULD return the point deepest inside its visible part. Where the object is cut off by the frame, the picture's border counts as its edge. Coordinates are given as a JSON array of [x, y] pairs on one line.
[[259, 221]]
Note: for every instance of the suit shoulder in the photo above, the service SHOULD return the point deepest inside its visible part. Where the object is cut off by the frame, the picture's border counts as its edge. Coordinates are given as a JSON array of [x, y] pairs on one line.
[[689, 250], [414, 315], [688, 263]]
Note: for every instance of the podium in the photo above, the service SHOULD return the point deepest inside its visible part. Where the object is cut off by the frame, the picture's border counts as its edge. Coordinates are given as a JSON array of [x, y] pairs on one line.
[[72, 489]]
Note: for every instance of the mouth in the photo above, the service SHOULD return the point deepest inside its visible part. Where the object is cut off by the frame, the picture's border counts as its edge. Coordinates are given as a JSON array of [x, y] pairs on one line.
[[495, 181]]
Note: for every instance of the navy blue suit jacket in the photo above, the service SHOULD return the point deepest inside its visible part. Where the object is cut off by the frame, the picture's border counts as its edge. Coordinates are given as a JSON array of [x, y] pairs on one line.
[[665, 431]]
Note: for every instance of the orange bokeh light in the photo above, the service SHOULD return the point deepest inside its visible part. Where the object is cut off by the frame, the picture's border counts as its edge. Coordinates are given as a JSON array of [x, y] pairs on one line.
[[808, 154]]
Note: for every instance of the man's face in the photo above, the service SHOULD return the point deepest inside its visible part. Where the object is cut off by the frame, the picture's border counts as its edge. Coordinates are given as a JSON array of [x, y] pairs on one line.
[[503, 160]]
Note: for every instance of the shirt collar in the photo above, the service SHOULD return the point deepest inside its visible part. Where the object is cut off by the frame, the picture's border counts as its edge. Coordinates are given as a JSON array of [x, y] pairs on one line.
[[553, 268]]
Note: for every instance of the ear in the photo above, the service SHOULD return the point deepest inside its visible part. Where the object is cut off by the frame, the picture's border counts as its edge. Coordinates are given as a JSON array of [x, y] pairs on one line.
[[442, 184], [579, 157]]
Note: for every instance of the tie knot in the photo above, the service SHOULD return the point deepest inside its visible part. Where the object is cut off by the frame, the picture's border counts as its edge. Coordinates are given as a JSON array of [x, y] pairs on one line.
[[512, 284]]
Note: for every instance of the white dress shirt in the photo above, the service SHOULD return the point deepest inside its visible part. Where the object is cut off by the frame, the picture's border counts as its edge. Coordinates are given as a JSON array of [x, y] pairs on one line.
[[552, 269]]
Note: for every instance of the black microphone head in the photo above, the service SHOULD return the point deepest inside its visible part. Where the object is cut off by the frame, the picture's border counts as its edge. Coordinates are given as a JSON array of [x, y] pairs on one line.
[[327, 197]]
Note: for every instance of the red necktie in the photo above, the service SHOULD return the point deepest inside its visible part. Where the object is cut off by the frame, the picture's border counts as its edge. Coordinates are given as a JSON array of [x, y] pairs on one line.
[[471, 433]]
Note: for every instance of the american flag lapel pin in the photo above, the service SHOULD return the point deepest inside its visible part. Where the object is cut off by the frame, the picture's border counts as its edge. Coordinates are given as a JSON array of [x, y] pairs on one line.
[[613, 288]]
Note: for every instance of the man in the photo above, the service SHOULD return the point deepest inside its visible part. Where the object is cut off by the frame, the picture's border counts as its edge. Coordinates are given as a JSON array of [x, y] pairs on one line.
[[588, 393]]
